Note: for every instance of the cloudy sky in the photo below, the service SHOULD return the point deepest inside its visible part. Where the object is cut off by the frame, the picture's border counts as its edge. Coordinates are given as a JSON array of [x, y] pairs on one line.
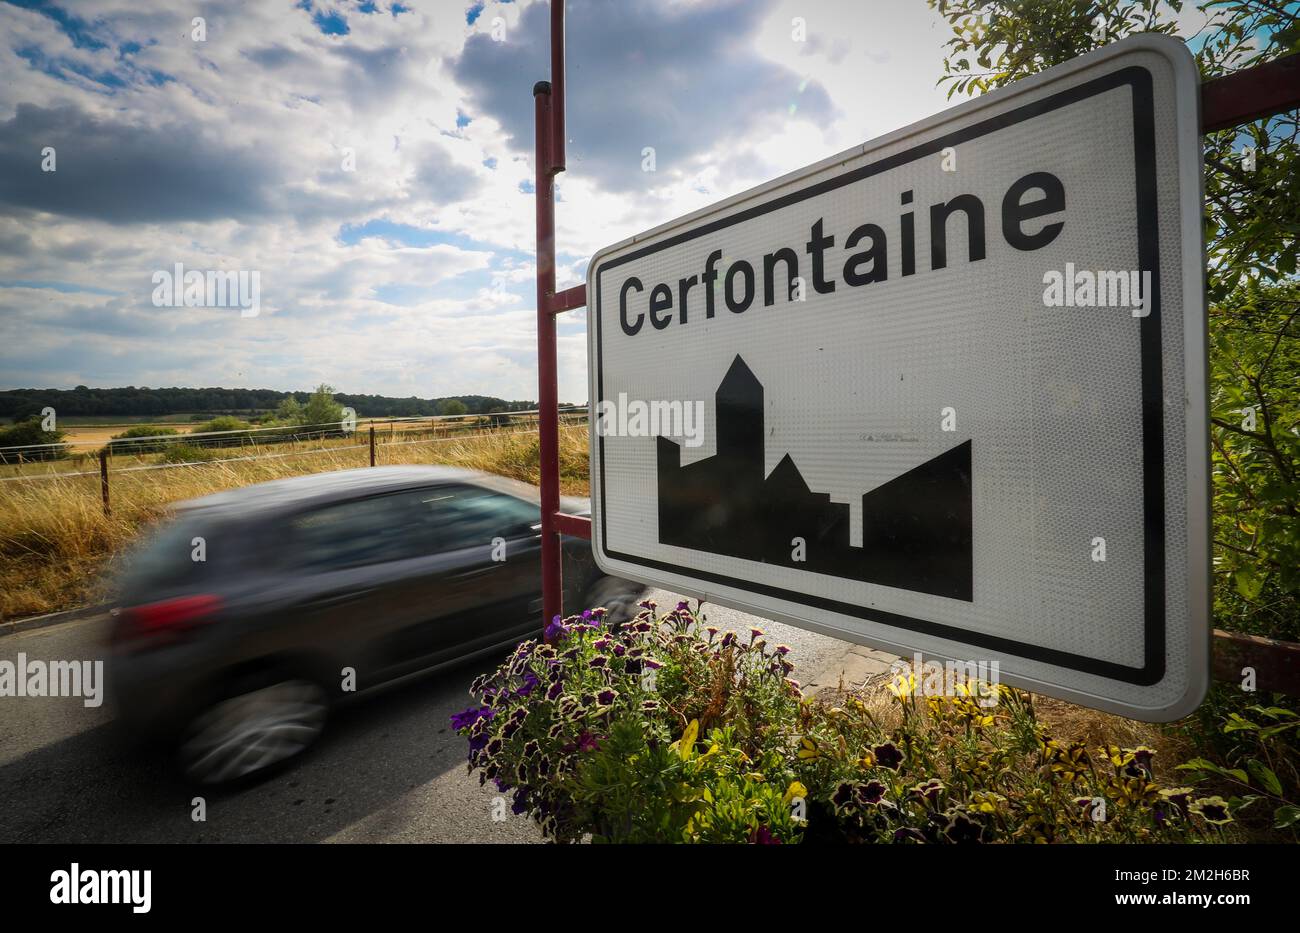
[[372, 162]]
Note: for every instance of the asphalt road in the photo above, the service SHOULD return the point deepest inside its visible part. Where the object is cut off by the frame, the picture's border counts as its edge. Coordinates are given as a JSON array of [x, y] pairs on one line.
[[388, 768]]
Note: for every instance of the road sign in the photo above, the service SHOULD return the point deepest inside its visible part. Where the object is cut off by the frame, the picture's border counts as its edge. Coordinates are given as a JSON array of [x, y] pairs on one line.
[[943, 393]]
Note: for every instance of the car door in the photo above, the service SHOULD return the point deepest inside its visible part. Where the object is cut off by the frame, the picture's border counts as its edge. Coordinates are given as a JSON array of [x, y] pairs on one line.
[[492, 540], [360, 576]]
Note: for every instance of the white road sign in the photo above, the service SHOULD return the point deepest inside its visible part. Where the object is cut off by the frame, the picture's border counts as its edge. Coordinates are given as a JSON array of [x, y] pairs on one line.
[[943, 393]]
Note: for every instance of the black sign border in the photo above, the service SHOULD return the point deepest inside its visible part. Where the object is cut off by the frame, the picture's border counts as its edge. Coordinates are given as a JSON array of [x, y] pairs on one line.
[[1138, 79]]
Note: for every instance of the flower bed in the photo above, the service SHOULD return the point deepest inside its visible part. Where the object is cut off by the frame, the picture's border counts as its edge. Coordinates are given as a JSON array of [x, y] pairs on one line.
[[665, 730]]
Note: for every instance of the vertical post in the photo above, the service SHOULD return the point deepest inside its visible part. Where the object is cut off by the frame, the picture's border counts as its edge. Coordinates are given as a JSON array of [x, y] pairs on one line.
[[103, 477], [557, 87], [372, 443], [547, 391]]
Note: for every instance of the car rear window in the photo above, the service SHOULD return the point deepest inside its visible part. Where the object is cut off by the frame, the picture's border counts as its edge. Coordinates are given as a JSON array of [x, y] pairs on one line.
[[178, 553]]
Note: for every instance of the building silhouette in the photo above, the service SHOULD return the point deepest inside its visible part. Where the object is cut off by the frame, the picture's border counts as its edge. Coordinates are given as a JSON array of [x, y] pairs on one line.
[[916, 527]]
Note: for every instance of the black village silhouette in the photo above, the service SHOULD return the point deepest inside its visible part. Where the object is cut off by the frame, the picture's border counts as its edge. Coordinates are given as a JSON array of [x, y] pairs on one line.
[[916, 527]]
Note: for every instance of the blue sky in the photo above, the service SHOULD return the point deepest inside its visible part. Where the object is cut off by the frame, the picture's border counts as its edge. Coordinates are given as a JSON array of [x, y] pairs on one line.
[[372, 161]]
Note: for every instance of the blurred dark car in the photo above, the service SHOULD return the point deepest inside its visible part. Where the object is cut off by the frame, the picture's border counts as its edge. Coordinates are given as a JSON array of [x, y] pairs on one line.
[[313, 587]]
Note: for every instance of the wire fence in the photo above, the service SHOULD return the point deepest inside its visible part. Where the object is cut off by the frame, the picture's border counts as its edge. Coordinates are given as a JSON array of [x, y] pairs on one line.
[[21, 455], [373, 441]]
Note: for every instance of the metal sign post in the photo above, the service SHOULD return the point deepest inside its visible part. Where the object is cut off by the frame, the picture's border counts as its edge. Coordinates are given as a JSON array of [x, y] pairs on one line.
[[548, 100]]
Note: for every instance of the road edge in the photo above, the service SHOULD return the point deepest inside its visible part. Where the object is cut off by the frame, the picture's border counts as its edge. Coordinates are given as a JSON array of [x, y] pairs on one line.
[[15, 626]]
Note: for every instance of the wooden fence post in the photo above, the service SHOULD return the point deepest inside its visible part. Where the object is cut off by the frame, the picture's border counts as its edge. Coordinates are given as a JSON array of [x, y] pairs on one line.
[[103, 477], [372, 444]]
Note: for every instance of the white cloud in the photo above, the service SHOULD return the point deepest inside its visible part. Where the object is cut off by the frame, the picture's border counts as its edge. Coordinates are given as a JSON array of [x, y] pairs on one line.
[[249, 131]]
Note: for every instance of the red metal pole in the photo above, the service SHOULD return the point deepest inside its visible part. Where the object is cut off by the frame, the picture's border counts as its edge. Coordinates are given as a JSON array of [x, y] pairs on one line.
[[557, 86], [1247, 95], [547, 377]]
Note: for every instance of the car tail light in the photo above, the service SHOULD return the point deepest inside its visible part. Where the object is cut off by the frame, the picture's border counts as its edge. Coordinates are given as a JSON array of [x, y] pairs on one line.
[[166, 619]]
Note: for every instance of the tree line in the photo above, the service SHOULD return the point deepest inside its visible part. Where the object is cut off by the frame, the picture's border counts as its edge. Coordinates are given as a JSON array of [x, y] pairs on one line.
[[132, 401]]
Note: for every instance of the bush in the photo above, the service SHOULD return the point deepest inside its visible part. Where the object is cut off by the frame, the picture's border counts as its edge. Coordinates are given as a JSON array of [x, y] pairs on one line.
[[663, 731], [226, 423], [187, 453], [1249, 747], [130, 442], [29, 432]]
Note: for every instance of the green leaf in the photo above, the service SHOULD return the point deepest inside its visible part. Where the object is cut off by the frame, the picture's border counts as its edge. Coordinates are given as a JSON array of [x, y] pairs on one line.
[[1265, 776], [1237, 724], [1248, 582], [1273, 712], [1286, 817], [1201, 764]]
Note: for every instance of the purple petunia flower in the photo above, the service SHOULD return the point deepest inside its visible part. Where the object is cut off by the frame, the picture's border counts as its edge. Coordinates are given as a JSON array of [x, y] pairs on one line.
[[555, 631], [530, 683], [588, 742], [888, 756], [467, 718]]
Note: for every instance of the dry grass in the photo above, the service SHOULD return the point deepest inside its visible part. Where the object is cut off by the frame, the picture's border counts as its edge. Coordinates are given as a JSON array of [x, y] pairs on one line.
[[55, 539]]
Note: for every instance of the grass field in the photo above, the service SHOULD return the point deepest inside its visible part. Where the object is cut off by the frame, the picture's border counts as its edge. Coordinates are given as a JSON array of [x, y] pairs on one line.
[[87, 435], [55, 540]]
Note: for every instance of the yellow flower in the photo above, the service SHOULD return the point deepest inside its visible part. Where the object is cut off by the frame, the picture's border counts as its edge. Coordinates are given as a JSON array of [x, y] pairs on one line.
[[686, 744], [1212, 810], [903, 685], [796, 789], [808, 749]]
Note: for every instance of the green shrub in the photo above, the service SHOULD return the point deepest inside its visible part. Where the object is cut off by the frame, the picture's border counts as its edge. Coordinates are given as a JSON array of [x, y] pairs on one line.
[[23, 435], [1249, 747], [664, 731], [132, 440], [188, 453], [226, 423]]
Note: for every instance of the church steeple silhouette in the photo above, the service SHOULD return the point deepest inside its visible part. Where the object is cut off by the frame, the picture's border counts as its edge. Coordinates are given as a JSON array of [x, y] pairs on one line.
[[738, 411], [917, 531]]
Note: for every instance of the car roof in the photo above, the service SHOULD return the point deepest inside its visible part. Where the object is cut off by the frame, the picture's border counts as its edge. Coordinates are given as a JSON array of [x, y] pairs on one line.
[[297, 491]]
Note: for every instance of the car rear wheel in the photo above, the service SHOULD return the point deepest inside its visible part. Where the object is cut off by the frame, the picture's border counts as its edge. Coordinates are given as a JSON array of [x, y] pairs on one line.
[[253, 730], [618, 597]]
